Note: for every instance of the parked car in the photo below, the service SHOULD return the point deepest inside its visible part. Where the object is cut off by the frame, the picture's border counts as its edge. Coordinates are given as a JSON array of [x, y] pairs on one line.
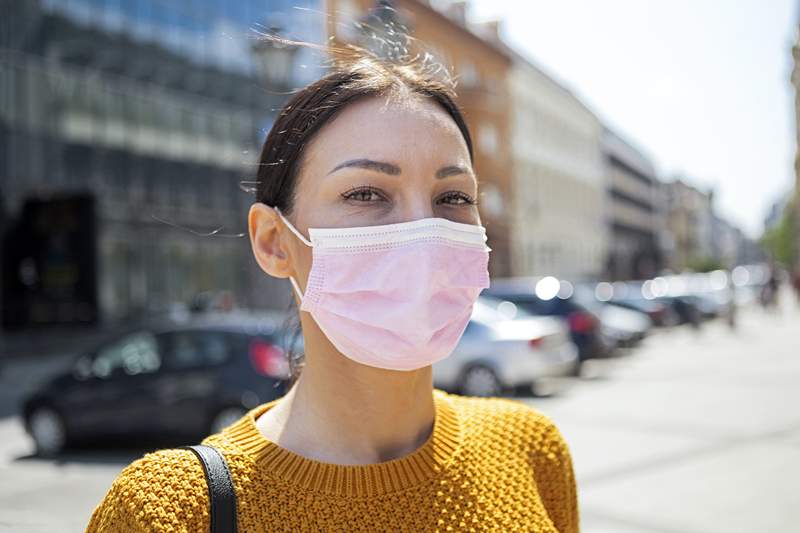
[[661, 313], [181, 379], [584, 326], [626, 327], [749, 281], [711, 293], [504, 349], [672, 300], [685, 308]]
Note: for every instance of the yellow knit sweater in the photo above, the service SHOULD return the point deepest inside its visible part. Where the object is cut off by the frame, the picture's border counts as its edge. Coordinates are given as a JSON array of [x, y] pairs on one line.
[[489, 465]]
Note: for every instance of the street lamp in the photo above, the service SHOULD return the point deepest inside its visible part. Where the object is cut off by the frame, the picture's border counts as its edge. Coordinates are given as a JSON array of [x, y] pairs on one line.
[[275, 58]]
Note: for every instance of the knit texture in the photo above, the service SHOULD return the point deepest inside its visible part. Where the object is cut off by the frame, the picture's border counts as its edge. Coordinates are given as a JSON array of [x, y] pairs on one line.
[[489, 465]]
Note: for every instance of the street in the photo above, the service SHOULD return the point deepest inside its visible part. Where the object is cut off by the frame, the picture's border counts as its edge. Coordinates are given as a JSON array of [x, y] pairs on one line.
[[695, 431], [593, 208]]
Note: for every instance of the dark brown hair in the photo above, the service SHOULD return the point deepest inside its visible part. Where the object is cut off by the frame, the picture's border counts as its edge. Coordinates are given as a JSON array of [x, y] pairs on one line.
[[355, 74]]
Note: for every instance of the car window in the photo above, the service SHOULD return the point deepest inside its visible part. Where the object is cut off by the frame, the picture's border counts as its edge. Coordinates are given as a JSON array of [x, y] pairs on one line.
[[475, 330], [485, 313], [585, 296], [531, 304], [137, 353], [195, 348]]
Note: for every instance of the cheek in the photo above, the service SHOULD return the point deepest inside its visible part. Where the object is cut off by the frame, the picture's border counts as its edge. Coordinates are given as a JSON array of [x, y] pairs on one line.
[[465, 214], [301, 258]]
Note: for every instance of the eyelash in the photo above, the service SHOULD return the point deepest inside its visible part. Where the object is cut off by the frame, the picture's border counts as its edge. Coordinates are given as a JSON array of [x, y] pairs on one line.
[[352, 194]]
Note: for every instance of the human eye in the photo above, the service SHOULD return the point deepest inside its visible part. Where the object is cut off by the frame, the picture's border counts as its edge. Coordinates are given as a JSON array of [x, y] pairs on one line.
[[364, 193], [455, 198]]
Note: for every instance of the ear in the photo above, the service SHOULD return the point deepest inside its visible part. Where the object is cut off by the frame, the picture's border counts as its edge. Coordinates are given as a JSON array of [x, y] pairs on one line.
[[268, 247]]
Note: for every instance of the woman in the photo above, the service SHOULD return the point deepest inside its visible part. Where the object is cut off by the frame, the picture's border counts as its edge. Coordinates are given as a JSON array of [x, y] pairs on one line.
[[366, 202]]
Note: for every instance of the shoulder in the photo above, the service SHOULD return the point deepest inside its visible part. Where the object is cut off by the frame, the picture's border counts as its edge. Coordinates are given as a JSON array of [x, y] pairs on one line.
[[509, 418], [516, 428], [519, 434], [164, 490]]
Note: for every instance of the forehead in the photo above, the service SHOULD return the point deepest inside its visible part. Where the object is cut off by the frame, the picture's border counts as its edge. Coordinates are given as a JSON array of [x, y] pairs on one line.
[[398, 130]]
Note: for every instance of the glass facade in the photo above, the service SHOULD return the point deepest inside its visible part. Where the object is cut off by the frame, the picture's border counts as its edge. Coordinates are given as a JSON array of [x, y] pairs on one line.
[[157, 110]]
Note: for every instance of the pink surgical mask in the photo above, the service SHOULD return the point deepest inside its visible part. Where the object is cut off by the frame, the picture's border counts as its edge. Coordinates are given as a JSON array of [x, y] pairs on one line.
[[397, 296]]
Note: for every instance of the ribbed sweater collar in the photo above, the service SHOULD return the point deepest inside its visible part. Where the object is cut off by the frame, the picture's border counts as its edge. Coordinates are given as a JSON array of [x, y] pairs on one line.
[[352, 480]]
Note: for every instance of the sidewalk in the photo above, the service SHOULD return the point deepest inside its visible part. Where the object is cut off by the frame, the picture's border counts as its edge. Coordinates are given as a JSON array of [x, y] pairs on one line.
[[698, 432]]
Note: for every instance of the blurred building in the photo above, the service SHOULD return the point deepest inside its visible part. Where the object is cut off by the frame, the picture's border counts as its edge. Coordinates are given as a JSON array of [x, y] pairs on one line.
[[636, 215], [690, 219], [559, 207], [131, 123], [700, 238], [750, 250], [481, 65], [727, 243]]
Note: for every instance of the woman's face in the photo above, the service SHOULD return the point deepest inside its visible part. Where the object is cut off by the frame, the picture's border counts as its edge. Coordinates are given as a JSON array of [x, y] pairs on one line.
[[383, 162]]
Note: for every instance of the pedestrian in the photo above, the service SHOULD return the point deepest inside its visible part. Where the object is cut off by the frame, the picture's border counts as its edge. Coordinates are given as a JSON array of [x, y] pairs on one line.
[[770, 289], [366, 201], [733, 305], [796, 283]]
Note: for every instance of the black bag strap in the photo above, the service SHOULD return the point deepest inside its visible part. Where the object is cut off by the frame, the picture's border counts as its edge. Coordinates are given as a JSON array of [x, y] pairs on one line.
[[221, 493]]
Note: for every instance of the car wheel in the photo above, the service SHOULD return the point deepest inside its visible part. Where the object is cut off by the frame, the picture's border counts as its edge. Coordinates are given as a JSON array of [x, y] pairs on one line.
[[226, 417], [577, 369], [481, 381], [48, 431]]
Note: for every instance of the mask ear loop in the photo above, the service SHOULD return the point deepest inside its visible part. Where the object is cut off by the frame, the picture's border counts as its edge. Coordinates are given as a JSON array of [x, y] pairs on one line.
[[293, 229], [303, 240]]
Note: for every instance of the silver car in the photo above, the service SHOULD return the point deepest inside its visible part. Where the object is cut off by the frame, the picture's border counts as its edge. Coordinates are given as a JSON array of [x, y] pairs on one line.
[[505, 349], [623, 326]]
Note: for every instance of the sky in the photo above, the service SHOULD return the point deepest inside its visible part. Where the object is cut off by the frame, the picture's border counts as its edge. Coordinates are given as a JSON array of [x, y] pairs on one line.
[[701, 86]]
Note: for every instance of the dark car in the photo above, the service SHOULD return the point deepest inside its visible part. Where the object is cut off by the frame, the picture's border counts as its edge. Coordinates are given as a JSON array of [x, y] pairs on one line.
[[584, 326], [663, 310], [688, 308], [627, 327], [175, 379], [661, 313]]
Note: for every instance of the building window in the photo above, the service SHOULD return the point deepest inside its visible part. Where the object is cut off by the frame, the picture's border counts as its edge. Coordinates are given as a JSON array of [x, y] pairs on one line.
[[492, 200], [488, 138], [468, 74]]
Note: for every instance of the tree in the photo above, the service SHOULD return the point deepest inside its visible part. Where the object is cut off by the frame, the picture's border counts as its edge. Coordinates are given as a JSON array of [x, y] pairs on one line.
[[703, 264], [780, 240]]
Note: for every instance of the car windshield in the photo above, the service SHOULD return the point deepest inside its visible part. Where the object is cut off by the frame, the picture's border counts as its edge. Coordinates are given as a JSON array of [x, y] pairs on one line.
[[135, 353], [584, 295], [488, 310]]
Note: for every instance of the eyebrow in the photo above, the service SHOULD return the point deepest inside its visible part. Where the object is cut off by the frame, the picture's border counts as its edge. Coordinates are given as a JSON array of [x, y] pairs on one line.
[[394, 170]]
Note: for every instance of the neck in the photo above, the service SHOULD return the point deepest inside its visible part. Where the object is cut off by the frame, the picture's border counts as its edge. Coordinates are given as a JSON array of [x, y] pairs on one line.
[[363, 415]]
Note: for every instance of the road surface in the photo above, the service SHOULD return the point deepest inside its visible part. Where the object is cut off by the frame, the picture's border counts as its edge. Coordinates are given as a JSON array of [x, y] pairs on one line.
[[693, 432]]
